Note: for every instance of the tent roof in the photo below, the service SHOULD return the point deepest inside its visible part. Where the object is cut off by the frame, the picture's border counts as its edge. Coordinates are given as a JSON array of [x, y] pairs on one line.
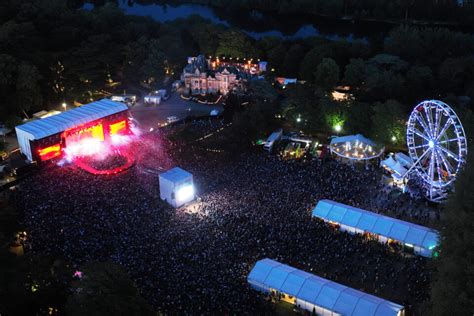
[[319, 291], [84, 114], [403, 159], [395, 166], [176, 175], [352, 139], [355, 147], [405, 232]]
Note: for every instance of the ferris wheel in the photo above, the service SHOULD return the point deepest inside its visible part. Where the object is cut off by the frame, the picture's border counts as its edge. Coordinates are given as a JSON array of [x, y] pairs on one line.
[[437, 145]]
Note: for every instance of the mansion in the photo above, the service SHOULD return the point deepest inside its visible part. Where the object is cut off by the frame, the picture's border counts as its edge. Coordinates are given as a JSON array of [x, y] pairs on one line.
[[204, 76]]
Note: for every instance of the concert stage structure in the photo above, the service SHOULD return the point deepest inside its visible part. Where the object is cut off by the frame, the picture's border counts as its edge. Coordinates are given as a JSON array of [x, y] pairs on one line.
[[78, 132]]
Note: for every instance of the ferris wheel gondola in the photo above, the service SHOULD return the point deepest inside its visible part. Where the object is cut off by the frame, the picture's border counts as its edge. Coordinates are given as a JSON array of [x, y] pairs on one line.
[[437, 145]]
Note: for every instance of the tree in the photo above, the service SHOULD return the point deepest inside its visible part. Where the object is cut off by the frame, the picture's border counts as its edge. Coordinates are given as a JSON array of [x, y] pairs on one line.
[[236, 44], [354, 73], [453, 287], [311, 61], [154, 64], [327, 74], [27, 86], [255, 121], [388, 122], [263, 90], [105, 289], [359, 118], [420, 81], [7, 83], [276, 56], [291, 63]]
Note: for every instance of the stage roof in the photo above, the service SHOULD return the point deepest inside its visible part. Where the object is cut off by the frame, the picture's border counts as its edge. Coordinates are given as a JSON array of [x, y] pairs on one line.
[[268, 273], [176, 175], [51, 125], [355, 147], [353, 138], [393, 228]]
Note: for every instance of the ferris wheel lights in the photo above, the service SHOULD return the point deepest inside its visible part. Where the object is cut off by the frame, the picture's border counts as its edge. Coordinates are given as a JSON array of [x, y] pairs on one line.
[[436, 143]]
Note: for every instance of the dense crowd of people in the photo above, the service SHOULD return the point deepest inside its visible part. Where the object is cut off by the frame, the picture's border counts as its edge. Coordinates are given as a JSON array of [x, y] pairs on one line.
[[195, 260]]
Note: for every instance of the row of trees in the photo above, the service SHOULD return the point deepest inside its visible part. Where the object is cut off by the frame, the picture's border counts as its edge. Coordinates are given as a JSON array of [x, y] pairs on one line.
[[52, 52]]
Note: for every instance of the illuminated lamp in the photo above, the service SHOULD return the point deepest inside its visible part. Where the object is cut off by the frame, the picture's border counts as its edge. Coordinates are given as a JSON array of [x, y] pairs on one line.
[[185, 193], [49, 152]]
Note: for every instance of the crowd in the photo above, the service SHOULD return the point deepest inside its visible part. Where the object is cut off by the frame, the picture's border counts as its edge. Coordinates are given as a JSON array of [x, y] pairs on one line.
[[196, 261], [111, 161]]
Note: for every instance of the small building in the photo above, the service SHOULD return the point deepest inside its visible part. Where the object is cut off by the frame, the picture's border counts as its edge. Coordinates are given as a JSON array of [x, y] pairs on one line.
[[176, 187], [315, 294], [156, 97], [421, 240], [283, 82], [44, 114], [397, 165], [124, 98], [152, 98], [274, 137]]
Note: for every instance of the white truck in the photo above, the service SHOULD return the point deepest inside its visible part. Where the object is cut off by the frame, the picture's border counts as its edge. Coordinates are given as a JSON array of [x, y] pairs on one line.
[[274, 137]]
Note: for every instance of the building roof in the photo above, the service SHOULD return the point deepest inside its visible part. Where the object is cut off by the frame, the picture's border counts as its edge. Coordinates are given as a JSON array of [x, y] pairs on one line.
[[389, 227], [404, 160], [176, 175], [60, 122], [199, 63], [330, 295]]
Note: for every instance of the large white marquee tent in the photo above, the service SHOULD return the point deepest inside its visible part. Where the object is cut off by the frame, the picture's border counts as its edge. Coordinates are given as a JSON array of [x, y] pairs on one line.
[[422, 239], [310, 292]]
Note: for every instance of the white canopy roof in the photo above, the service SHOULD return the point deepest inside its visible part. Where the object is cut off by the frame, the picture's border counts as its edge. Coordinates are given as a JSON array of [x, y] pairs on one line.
[[389, 227], [176, 175], [343, 300], [356, 147], [394, 166]]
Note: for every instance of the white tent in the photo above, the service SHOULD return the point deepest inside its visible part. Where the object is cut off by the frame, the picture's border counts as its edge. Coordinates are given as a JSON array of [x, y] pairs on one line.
[[393, 166], [176, 187], [355, 147], [314, 293]]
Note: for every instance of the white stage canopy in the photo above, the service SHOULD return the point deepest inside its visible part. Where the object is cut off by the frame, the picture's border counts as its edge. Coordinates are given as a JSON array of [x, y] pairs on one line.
[[355, 147]]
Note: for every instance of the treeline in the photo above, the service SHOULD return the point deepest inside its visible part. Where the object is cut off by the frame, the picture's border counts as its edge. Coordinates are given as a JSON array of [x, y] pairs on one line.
[[389, 11], [52, 51]]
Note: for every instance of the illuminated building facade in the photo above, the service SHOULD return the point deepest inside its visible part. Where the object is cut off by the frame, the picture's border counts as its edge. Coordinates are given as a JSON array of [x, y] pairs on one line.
[[216, 76], [45, 139]]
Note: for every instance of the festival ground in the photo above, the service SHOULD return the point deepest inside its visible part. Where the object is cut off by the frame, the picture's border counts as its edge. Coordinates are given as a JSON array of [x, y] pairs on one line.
[[251, 206]]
